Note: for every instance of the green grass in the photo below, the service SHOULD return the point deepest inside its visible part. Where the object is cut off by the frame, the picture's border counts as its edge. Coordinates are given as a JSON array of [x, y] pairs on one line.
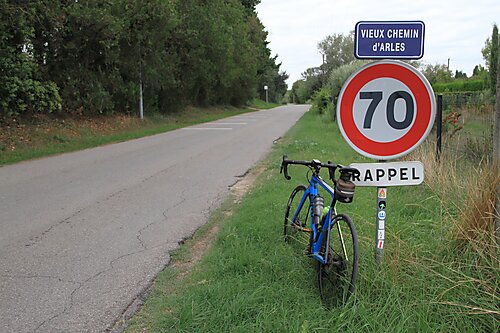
[[262, 105], [250, 281], [65, 135]]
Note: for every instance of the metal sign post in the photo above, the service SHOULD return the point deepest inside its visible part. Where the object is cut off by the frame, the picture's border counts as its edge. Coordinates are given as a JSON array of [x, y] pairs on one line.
[[383, 175], [380, 225], [386, 109]]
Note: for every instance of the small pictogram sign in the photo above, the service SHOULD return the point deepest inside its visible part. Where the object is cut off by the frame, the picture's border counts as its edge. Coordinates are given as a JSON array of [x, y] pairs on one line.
[[382, 205]]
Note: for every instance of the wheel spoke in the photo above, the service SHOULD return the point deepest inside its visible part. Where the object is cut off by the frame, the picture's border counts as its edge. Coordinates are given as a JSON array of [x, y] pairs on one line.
[[337, 278], [296, 230]]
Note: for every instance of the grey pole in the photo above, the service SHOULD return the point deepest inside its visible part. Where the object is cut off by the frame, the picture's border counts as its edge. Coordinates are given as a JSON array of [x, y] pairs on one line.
[[380, 224], [496, 152], [439, 125], [141, 102]]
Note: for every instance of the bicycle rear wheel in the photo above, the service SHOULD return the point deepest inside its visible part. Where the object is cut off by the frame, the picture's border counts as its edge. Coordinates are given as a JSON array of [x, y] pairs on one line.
[[297, 231], [337, 278]]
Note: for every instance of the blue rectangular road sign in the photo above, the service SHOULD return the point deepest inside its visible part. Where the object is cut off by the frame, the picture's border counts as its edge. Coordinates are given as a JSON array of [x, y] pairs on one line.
[[389, 40]]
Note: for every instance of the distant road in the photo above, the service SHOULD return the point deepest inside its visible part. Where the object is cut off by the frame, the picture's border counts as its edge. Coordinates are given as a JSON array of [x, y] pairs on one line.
[[82, 234]]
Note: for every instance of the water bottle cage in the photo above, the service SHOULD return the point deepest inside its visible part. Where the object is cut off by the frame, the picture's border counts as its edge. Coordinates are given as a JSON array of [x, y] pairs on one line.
[[318, 205]]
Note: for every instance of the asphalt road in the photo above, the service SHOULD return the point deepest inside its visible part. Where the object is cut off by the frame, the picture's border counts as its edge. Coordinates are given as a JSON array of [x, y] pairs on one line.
[[83, 234]]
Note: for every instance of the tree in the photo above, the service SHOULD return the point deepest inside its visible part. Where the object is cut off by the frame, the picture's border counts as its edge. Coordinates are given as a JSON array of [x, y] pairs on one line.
[[337, 50], [23, 88], [486, 51], [493, 57], [339, 75], [460, 75], [250, 4], [479, 72], [437, 73], [97, 51], [299, 94]]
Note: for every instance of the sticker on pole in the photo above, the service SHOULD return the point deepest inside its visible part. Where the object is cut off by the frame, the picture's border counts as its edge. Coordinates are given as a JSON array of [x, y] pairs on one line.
[[386, 109]]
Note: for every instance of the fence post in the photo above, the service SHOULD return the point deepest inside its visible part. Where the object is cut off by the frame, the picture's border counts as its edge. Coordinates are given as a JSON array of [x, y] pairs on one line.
[[496, 152], [439, 128]]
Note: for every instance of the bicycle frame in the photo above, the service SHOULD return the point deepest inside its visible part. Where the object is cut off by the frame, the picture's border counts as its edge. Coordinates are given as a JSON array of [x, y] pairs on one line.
[[317, 235]]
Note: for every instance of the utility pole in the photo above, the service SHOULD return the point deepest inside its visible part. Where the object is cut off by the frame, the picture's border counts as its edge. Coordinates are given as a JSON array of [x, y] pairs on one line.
[[141, 101], [323, 81]]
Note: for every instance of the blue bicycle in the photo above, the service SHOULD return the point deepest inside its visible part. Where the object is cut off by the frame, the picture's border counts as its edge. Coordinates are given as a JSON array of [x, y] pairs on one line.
[[330, 238]]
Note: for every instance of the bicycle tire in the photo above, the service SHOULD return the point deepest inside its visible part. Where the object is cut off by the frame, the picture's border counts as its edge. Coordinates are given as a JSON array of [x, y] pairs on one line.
[[337, 278], [298, 231]]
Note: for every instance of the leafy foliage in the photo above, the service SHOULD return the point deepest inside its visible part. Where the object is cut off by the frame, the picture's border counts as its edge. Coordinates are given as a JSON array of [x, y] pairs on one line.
[[493, 56], [22, 90], [437, 73], [322, 100], [460, 85], [90, 56], [340, 74], [337, 52]]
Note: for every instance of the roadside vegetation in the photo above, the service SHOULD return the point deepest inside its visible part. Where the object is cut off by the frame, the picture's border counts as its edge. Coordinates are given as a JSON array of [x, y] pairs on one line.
[[24, 138], [72, 71], [262, 105], [440, 271], [339, 63], [91, 57]]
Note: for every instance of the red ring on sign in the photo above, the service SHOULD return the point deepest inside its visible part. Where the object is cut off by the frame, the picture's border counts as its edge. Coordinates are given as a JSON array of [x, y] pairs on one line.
[[420, 124]]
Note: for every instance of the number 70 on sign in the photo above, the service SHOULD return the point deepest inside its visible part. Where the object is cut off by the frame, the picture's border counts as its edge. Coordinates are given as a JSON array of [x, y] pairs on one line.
[[386, 109]]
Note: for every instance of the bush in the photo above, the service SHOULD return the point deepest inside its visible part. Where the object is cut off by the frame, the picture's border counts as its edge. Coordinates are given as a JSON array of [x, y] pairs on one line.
[[460, 86], [322, 100], [20, 91], [340, 74]]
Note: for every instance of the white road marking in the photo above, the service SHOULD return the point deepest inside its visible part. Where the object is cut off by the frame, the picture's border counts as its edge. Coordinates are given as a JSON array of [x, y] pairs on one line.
[[208, 128], [230, 123]]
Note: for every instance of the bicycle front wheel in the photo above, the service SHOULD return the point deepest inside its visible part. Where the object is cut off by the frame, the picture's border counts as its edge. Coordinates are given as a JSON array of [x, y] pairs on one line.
[[337, 278], [297, 231]]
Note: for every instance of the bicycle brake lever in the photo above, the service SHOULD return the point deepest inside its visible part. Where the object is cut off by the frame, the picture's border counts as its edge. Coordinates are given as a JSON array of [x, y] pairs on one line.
[[331, 171], [284, 167]]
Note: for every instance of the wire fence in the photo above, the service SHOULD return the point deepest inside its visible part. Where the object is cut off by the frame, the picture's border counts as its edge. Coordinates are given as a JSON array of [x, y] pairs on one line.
[[467, 125]]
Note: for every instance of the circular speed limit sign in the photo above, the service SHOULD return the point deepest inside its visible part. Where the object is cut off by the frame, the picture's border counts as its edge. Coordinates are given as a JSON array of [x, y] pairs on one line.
[[386, 109]]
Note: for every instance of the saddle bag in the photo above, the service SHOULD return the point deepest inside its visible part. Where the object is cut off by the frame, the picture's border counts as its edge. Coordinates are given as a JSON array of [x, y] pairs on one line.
[[344, 190]]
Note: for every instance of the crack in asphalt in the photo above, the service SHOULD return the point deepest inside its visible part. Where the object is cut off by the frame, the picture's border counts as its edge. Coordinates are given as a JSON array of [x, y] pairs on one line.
[[38, 238], [144, 292], [111, 267], [21, 276], [82, 284], [139, 235], [120, 323]]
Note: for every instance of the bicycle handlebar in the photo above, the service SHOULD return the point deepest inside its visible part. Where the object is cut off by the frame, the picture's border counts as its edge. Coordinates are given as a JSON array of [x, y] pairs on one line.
[[345, 172]]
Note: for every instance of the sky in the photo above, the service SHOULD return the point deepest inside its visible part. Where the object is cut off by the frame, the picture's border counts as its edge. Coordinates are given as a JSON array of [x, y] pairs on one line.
[[454, 29]]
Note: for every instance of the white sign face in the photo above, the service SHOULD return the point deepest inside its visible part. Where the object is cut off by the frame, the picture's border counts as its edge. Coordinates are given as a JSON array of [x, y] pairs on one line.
[[379, 126], [389, 174], [266, 87], [386, 109]]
